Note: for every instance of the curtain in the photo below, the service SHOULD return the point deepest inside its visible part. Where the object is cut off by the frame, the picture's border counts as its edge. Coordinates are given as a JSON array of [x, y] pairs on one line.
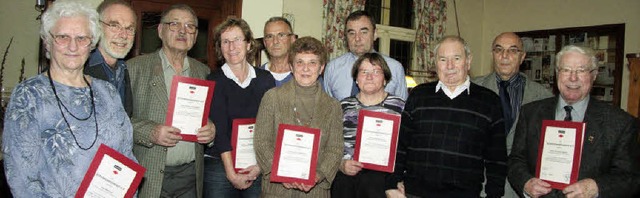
[[431, 17], [334, 20]]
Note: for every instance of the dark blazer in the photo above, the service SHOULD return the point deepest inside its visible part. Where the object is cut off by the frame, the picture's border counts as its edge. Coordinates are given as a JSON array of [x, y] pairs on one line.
[[610, 155], [98, 72]]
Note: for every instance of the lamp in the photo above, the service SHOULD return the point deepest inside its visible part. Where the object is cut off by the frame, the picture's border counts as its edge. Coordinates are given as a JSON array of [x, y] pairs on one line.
[[411, 83]]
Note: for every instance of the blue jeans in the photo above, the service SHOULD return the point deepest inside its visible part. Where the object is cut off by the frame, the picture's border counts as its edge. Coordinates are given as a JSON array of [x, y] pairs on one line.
[[217, 185]]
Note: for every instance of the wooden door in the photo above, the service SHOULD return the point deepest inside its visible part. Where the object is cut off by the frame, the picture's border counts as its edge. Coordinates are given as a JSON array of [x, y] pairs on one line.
[[210, 14]]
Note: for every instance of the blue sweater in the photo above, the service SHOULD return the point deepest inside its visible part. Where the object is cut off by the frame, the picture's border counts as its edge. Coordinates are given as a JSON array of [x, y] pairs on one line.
[[446, 144]]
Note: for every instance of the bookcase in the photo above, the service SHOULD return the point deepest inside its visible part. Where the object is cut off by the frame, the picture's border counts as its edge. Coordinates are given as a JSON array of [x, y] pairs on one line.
[[607, 40]]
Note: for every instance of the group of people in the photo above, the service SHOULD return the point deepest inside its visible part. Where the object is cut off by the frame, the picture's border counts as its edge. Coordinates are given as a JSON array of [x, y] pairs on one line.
[[458, 137]]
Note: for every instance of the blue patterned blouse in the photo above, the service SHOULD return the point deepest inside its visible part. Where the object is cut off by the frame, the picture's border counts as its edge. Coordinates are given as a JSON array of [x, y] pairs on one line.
[[42, 159]]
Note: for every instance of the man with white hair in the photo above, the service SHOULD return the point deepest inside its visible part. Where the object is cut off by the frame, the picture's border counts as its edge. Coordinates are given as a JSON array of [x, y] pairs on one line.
[[610, 161]]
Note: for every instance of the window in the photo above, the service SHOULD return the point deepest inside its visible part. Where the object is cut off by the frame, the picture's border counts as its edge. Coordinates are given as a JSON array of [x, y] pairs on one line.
[[395, 25]]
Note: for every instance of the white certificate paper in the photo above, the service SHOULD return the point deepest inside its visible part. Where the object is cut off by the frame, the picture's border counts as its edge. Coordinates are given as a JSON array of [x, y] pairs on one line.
[[245, 155], [110, 174], [189, 107], [375, 144], [296, 154], [557, 158], [112, 179]]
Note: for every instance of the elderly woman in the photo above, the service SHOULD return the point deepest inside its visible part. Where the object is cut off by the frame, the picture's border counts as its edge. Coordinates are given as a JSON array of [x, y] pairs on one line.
[[56, 121], [300, 102], [239, 90], [372, 75]]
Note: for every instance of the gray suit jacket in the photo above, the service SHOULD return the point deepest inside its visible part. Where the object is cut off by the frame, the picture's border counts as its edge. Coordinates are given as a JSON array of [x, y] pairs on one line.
[[150, 101], [610, 153], [532, 91]]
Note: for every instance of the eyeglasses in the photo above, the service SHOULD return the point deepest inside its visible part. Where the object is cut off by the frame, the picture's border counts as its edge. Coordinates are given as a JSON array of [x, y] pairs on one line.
[[64, 40], [578, 71], [374, 72], [116, 27], [174, 26], [510, 51], [281, 36], [235, 42]]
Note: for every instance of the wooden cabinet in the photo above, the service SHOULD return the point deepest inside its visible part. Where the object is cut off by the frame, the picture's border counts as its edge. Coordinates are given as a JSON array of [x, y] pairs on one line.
[[210, 14], [607, 40]]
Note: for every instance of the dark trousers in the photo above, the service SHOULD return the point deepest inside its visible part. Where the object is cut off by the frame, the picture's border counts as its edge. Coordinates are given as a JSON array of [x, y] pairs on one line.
[[366, 184], [179, 181], [4, 186]]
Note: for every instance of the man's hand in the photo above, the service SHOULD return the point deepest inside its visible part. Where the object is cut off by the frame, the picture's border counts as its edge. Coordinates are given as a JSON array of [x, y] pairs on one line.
[[206, 133], [400, 186], [351, 167], [583, 188], [536, 187], [165, 135], [394, 193]]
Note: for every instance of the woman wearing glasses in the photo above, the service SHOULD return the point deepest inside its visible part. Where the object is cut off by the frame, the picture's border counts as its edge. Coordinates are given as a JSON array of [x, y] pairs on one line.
[[372, 74], [56, 121], [239, 90], [300, 101]]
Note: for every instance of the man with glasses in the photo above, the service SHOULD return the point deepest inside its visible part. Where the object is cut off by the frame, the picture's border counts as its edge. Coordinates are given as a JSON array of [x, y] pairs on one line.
[[174, 167], [610, 160], [513, 87], [278, 37], [360, 33], [106, 62]]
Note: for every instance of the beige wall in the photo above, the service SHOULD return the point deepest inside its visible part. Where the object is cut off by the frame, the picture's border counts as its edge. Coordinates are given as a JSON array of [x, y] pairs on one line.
[[18, 20], [479, 22], [524, 15]]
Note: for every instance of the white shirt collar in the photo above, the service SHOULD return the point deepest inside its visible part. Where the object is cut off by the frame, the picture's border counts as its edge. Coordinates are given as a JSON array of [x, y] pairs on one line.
[[459, 89], [251, 74]]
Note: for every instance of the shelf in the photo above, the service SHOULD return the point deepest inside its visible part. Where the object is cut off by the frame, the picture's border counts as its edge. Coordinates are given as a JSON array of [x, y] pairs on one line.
[[607, 40]]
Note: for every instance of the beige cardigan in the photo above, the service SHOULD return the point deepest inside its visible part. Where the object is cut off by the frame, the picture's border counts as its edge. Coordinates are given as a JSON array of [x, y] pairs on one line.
[[277, 108]]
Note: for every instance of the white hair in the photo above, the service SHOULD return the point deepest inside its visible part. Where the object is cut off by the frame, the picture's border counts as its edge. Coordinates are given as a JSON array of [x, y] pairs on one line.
[[61, 9], [581, 50]]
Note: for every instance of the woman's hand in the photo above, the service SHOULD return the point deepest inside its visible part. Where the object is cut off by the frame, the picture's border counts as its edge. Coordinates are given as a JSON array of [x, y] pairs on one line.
[[239, 181], [252, 172], [350, 167]]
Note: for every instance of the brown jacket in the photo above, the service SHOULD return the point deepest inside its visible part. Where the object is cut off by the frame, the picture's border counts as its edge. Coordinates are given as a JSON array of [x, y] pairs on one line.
[[277, 108]]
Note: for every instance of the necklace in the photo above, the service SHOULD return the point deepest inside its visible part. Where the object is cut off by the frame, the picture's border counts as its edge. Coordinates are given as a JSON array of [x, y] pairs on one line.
[[295, 109], [61, 105]]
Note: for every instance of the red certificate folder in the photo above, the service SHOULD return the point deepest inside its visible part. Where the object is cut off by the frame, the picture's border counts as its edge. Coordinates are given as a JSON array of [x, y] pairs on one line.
[[234, 138], [559, 136], [103, 151], [195, 84], [301, 134], [378, 118]]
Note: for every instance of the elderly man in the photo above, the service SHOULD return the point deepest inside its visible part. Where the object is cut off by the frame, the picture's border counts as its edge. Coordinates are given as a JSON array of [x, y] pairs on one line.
[[360, 33], [610, 155], [451, 131], [106, 62], [513, 87], [278, 37], [174, 167]]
